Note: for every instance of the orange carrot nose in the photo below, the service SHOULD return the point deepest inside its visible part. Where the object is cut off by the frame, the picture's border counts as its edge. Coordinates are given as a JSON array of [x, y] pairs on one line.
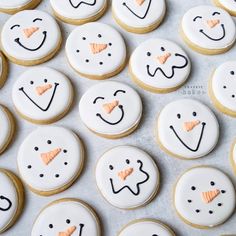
[[68, 232], [28, 32], [49, 156], [212, 23], [190, 125], [97, 48], [140, 2], [162, 59], [209, 196], [109, 107], [125, 173], [40, 90]]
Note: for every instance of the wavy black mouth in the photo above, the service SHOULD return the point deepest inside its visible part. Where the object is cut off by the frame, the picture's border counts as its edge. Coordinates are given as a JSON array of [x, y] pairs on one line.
[[199, 140], [173, 68], [17, 40], [7, 200], [82, 2], [214, 39], [50, 101], [135, 193], [113, 123]]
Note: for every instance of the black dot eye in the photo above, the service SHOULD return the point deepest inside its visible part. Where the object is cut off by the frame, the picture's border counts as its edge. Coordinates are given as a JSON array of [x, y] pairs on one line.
[[99, 35], [193, 188], [77, 51], [50, 226], [65, 151], [224, 87], [127, 161], [49, 142], [109, 54], [41, 175], [45, 80], [210, 212], [178, 116], [36, 149], [219, 204], [233, 96], [162, 49], [111, 167], [194, 113], [223, 191], [65, 163], [68, 221], [100, 63], [84, 38], [57, 175], [110, 44], [189, 201], [212, 183], [149, 54], [29, 166], [31, 82], [154, 235], [87, 60], [197, 210], [232, 72]]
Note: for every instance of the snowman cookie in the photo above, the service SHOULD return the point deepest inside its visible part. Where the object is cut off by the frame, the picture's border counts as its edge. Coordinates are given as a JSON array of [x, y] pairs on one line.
[[139, 16], [127, 177], [11, 199], [7, 125], [222, 88], [228, 5], [204, 197], [187, 129], [42, 95], [14, 6], [208, 29], [233, 156], [111, 109], [3, 70], [96, 51], [30, 37], [147, 227], [67, 217], [78, 11], [50, 159], [159, 66]]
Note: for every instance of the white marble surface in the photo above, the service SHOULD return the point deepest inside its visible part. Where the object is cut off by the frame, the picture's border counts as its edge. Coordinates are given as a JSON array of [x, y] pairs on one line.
[[85, 188]]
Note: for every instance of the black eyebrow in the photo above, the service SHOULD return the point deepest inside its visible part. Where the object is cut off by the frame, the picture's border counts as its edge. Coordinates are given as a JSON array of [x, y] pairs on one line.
[[197, 18], [14, 26], [216, 13], [95, 100], [37, 19], [118, 91]]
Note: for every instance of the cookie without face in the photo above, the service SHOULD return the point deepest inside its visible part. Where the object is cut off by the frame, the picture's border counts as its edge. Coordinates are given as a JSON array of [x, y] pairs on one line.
[[187, 129], [159, 66], [139, 16], [67, 217], [30, 37], [127, 177], [42, 95], [228, 5], [111, 109], [11, 199], [204, 197], [96, 51], [148, 227], [78, 11], [50, 159], [208, 29], [222, 88], [3, 70]]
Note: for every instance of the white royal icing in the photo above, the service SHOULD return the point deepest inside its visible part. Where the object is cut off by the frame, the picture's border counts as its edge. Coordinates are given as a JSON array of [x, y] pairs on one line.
[[42, 93], [138, 14], [5, 126], [6, 4], [8, 200], [147, 228], [160, 63], [66, 216], [78, 9], [209, 27], [193, 190], [124, 114], [228, 4], [224, 85], [30, 35], [193, 142], [64, 166], [234, 154], [127, 177], [79, 49]]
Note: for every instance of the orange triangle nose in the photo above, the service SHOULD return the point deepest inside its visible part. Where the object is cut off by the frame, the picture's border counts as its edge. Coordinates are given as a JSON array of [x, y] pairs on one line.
[[209, 196], [97, 48], [28, 32], [212, 23], [190, 125], [162, 59], [125, 173], [109, 107], [68, 232], [49, 156], [40, 90], [140, 2]]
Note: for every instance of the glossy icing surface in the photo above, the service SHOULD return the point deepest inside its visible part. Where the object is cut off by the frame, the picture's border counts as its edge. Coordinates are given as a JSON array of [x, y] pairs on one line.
[[6, 4]]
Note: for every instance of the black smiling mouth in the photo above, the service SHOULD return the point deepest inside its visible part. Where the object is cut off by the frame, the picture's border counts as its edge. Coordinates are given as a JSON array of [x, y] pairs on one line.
[[82, 2], [199, 140], [214, 39], [113, 123], [17, 40], [50, 101], [7, 200], [174, 67]]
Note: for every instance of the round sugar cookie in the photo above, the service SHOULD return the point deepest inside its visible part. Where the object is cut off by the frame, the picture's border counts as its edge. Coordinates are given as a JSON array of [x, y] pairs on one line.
[[233, 156], [30, 37], [222, 88], [208, 29], [187, 129], [159, 66], [42, 95], [127, 177], [148, 227], [67, 217], [78, 11], [228, 5], [139, 16], [50, 159], [96, 51], [3, 70], [204, 197], [14, 6], [11, 199], [111, 109]]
